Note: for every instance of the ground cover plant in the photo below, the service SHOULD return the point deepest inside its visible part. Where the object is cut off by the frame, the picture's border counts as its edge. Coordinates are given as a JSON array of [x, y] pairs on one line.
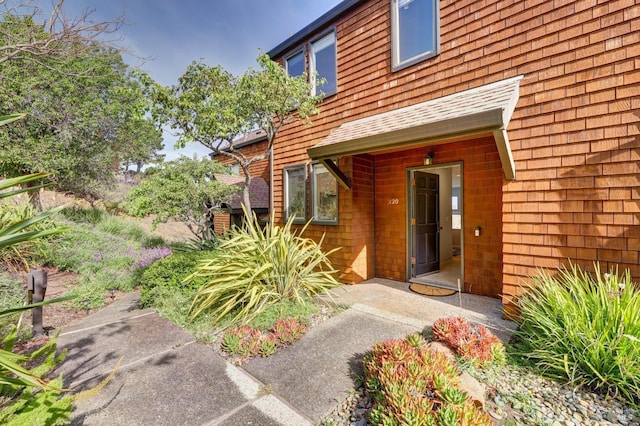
[[584, 328], [107, 252], [255, 268], [474, 343], [245, 341], [413, 384]]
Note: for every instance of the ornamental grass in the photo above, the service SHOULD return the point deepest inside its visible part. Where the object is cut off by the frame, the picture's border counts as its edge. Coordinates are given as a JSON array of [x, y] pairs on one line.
[[584, 328], [258, 267]]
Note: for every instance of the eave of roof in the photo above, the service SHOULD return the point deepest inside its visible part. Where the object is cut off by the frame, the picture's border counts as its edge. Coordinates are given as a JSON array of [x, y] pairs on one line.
[[250, 138], [310, 29], [482, 110]]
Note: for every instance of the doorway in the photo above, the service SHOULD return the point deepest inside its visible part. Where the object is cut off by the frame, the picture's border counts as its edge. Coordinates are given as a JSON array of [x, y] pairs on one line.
[[426, 223], [435, 232]]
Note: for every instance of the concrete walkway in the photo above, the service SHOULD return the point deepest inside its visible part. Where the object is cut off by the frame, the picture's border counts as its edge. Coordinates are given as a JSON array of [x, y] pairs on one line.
[[166, 378]]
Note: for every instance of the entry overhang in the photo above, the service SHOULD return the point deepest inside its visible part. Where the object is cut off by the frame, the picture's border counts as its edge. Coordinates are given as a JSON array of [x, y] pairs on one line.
[[483, 110]]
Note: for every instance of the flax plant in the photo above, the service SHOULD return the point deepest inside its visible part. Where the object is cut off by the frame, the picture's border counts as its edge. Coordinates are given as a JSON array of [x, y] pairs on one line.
[[584, 328], [258, 267]]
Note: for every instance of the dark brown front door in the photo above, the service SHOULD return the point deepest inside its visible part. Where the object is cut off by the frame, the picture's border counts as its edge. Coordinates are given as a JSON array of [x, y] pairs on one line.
[[426, 231]]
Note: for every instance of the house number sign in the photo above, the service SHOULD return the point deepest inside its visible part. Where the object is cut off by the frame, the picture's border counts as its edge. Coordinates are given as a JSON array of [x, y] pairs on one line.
[[393, 201]]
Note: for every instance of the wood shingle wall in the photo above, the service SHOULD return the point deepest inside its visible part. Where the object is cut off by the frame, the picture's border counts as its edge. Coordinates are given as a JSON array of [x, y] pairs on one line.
[[575, 133]]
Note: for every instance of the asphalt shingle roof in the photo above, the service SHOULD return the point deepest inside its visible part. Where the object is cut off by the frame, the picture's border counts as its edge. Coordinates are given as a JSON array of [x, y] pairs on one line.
[[258, 190], [501, 95]]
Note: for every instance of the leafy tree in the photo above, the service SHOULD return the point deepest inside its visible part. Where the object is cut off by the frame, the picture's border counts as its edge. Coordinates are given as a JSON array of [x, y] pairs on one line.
[[81, 100], [72, 121], [184, 190], [141, 144], [211, 106]]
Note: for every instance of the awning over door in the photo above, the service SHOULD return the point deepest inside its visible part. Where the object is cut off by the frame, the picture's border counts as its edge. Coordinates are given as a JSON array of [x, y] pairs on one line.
[[484, 109]]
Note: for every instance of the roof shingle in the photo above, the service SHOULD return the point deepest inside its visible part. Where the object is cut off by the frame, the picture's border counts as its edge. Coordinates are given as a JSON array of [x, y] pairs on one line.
[[258, 190], [501, 95]]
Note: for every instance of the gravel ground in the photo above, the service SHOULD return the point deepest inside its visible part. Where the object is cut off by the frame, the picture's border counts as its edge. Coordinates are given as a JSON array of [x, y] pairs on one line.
[[516, 396]]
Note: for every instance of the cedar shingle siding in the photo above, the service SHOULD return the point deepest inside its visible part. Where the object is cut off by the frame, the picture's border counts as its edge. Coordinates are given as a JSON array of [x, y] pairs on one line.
[[574, 136]]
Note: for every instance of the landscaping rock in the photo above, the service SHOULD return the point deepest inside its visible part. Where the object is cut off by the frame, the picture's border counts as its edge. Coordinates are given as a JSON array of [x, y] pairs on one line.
[[474, 389], [443, 348]]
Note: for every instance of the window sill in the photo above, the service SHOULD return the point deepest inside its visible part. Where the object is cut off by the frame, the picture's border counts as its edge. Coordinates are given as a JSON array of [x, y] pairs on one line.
[[324, 222], [414, 61]]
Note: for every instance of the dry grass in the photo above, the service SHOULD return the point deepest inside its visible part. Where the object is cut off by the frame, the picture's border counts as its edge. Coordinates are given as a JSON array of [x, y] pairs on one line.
[[170, 231]]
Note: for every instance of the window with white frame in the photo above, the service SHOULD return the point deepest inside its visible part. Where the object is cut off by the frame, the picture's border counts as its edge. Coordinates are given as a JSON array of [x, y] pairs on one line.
[[415, 31], [294, 64], [323, 65], [324, 193], [295, 193]]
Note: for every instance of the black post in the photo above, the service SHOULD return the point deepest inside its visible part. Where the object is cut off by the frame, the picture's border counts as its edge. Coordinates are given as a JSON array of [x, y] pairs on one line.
[[37, 286]]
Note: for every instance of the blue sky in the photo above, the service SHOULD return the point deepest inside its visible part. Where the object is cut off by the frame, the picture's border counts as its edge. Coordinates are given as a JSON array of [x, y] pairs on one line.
[[173, 33]]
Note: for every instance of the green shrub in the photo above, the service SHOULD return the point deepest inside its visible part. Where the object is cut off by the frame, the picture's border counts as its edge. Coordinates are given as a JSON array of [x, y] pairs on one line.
[[162, 286], [256, 268], [584, 328], [169, 274]]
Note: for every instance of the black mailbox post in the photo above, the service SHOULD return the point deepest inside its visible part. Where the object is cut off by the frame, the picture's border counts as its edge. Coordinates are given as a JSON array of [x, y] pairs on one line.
[[37, 287]]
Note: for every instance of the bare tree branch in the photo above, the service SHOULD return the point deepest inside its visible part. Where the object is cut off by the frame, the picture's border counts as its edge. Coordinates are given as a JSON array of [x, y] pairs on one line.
[[25, 33]]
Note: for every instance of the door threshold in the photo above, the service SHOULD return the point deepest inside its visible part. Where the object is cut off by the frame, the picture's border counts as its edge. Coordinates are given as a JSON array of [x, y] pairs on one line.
[[427, 280]]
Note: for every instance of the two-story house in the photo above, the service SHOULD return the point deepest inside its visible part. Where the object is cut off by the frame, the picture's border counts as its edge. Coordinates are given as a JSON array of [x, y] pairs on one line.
[[471, 139]]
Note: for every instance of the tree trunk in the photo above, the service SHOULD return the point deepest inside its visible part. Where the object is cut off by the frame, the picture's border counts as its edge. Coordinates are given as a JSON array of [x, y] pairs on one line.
[[246, 199], [246, 193]]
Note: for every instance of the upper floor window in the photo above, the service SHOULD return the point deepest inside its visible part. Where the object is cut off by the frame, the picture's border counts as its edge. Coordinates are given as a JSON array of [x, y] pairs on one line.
[[294, 64], [415, 31], [323, 64]]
